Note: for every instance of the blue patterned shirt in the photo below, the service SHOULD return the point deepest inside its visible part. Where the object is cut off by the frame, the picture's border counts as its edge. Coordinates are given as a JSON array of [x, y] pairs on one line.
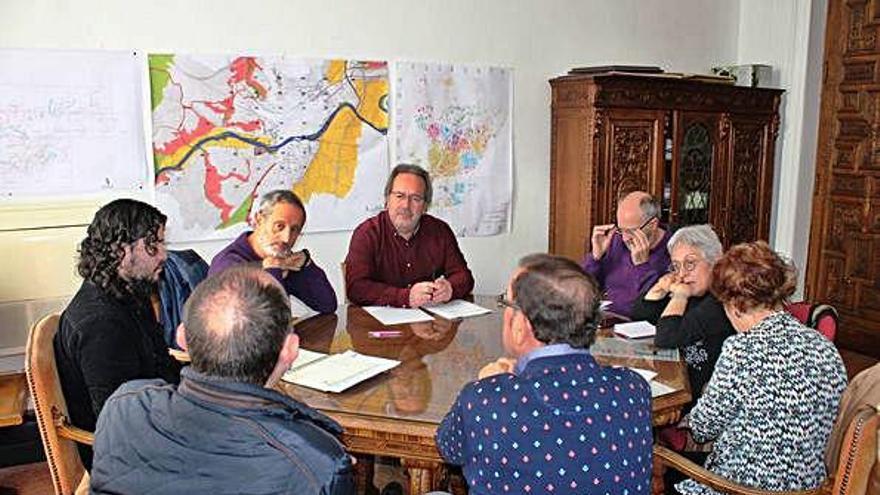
[[563, 425]]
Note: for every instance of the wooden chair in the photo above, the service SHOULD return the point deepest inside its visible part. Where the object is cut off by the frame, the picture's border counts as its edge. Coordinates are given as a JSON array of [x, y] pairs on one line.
[[59, 436], [858, 456]]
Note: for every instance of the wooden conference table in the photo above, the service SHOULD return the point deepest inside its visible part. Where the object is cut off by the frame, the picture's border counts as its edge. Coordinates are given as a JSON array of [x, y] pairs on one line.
[[396, 414]]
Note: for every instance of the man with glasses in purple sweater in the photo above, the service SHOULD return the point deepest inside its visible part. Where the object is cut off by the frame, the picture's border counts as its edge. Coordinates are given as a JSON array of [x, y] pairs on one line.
[[628, 257]]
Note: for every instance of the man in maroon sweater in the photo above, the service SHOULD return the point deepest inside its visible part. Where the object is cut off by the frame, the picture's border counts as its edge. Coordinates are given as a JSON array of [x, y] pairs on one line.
[[403, 257]]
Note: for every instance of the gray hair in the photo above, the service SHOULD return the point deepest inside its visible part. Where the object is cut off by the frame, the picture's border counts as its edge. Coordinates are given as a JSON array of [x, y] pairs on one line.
[[406, 168], [700, 237], [272, 198]]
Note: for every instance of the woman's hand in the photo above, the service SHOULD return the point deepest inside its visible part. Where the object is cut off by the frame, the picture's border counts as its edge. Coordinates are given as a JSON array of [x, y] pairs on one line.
[[661, 287]]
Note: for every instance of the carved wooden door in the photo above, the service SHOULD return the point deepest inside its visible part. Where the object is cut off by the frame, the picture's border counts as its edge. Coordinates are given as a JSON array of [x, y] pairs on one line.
[[696, 176], [749, 178], [631, 156], [844, 260]]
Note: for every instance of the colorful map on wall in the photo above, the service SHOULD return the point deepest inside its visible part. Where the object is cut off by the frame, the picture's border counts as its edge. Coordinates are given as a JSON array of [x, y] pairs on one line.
[[228, 129], [455, 121]]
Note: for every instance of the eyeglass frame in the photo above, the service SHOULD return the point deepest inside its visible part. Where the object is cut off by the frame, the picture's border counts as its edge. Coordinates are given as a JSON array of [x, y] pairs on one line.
[[683, 267], [623, 230], [402, 196], [501, 302]]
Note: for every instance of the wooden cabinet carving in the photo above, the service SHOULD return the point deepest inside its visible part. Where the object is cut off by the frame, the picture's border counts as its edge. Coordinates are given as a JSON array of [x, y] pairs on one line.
[[844, 259], [705, 149]]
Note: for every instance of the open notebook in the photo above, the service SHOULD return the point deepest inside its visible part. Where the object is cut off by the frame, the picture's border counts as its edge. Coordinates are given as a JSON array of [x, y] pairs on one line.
[[335, 372]]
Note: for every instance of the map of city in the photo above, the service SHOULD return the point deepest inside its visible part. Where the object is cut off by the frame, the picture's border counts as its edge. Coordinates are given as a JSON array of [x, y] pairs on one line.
[[454, 121], [228, 129]]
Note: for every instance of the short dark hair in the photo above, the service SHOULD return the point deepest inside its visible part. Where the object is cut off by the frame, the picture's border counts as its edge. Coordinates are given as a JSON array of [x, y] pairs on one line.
[[118, 223], [560, 300], [236, 322], [406, 168], [272, 198]]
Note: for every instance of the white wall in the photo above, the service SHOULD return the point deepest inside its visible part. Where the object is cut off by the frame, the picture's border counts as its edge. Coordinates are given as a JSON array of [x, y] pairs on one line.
[[789, 35], [539, 39]]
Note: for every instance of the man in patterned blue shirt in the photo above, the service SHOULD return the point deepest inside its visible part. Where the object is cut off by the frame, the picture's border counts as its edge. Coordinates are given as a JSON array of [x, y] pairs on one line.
[[550, 419]]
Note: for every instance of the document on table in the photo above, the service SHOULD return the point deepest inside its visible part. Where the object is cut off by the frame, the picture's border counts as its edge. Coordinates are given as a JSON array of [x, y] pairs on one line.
[[635, 329], [335, 372], [299, 310], [395, 316], [658, 389], [456, 309]]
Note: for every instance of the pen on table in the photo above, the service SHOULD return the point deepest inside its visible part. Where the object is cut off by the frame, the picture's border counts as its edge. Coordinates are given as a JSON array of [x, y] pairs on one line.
[[384, 334]]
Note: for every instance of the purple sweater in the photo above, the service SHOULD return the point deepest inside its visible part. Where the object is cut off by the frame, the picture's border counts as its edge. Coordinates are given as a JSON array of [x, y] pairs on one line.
[[622, 281], [310, 284]]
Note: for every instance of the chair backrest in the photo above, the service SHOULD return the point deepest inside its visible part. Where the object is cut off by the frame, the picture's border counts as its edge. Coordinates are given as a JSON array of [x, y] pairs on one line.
[[858, 472], [822, 317], [59, 437]]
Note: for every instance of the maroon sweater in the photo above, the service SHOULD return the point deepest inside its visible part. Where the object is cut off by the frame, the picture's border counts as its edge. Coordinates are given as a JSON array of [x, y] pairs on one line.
[[381, 266]]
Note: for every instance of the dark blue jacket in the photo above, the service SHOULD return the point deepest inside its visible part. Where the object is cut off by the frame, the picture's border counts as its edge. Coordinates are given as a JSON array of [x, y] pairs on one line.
[[183, 271], [215, 436]]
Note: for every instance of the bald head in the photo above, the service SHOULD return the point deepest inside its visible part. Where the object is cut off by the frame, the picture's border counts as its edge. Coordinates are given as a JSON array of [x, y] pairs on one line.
[[636, 208], [235, 324]]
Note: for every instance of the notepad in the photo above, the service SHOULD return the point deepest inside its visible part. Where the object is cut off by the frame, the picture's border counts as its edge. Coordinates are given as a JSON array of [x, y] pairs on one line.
[[299, 310], [457, 308], [658, 389], [335, 372], [635, 329], [396, 316], [648, 375]]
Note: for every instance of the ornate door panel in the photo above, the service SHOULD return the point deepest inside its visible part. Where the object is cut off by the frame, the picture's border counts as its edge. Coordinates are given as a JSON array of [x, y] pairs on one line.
[[748, 183], [631, 149], [695, 173], [844, 260]]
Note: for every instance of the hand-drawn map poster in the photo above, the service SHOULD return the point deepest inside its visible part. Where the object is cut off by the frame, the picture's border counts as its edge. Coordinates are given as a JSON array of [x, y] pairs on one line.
[[455, 121]]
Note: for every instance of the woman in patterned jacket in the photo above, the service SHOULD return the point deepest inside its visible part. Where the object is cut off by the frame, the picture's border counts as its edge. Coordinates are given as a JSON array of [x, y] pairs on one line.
[[772, 400]]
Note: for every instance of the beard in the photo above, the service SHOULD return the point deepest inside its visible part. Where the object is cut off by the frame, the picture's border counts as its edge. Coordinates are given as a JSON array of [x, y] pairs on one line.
[[277, 250], [143, 287]]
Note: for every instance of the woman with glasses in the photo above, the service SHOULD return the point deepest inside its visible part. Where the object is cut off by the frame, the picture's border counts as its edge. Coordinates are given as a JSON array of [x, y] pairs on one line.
[[687, 316]]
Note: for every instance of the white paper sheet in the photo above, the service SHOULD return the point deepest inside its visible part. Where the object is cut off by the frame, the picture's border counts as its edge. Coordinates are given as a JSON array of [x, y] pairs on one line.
[[300, 310], [658, 389], [395, 316], [635, 329], [648, 375], [335, 372], [457, 308]]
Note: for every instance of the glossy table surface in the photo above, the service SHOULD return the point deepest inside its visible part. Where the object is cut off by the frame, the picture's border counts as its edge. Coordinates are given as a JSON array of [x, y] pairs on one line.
[[437, 359]]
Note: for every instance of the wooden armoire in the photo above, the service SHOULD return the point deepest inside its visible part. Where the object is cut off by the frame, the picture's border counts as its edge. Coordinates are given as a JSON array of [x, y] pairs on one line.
[[706, 149], [844, 255]]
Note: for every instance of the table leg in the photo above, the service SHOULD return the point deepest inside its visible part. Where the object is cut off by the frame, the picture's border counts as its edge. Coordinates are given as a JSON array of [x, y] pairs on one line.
[[657, 472], [424, 476], [363, 473]]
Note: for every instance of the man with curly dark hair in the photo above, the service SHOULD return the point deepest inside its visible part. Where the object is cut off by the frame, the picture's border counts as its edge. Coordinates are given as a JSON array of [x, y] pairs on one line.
[[109, 333]]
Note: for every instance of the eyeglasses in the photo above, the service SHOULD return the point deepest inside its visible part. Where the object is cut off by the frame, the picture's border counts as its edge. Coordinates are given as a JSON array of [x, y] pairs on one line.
[[401, 196], [689, 265], [502, 302], [629, 231]]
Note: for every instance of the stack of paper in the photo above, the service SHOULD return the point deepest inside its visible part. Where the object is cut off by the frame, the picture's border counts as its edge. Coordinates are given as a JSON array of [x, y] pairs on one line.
[[335, 372], [396, 316], [457, 308], [635, 329]]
